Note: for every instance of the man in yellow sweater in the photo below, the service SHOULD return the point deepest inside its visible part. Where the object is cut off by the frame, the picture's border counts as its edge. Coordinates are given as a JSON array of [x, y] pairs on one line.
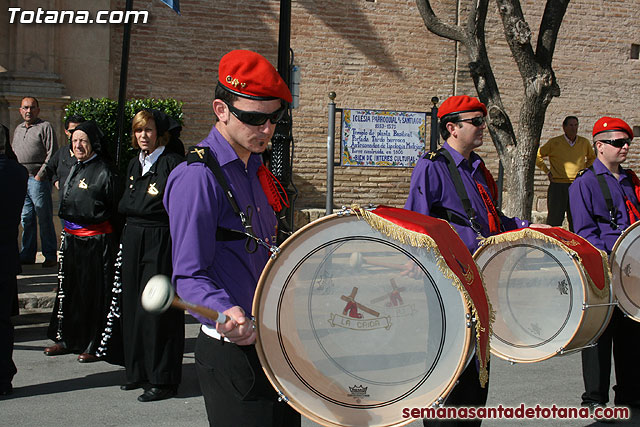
[[568, 154]]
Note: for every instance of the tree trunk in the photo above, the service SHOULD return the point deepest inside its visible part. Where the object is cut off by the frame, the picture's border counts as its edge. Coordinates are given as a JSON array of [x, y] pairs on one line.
[[517, 150]]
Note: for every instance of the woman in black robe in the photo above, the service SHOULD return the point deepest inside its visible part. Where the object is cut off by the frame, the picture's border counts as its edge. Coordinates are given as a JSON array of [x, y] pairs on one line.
[[153, 343], [88, 249]]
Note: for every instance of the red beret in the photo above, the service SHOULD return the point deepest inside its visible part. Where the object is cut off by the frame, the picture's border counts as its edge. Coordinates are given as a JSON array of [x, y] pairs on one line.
[[461, 104], [609, 124], [250, 75]]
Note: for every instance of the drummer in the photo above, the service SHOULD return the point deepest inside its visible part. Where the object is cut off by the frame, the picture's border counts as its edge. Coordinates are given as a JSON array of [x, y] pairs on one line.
[[213, 264], [471, 210], [601, 218]]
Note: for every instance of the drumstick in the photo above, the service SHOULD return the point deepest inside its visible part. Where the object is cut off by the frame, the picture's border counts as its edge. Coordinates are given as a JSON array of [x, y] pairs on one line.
[[158, 295], [356, 260]]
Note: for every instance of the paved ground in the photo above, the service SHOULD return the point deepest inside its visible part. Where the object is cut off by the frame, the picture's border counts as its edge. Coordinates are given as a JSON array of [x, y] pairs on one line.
[[58, 391]]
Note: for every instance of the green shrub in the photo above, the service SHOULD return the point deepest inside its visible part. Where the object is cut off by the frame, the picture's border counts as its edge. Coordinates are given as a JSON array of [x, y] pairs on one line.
[[105, 112]]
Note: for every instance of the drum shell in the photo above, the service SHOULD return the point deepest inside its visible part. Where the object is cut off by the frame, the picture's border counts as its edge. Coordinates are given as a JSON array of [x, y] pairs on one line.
[[625, 268], [301, 376], [578, 324]]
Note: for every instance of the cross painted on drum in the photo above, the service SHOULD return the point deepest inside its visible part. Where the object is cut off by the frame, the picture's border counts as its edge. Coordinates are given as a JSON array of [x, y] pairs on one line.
[[352, 319], [395, 299], [563, 287], [536, 329], [352, 306], [627, 270]]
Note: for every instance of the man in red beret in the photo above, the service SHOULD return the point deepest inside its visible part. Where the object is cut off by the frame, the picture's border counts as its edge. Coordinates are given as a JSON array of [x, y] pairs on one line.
[[453, 184], [604, 202], [212, 199]]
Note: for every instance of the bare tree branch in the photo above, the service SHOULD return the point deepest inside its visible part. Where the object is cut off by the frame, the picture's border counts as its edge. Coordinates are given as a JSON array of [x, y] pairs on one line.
[[477, 19], [436, 26], [518, 35], [549, 26]]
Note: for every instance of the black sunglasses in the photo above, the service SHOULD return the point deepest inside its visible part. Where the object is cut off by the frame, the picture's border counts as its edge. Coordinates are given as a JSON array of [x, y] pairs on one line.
[[618, 143], [476, 121], [255, 118]]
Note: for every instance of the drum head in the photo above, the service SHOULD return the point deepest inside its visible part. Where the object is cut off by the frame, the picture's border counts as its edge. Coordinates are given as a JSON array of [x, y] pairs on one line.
[[347, 338], [625, 271], [536, 290]]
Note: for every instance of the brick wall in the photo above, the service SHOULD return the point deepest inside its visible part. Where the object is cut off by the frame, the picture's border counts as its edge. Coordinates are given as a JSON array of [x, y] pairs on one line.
[[376, 55]]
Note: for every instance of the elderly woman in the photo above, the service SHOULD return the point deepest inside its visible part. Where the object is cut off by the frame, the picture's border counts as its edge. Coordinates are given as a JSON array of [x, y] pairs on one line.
[[88, 248], [153, 343]]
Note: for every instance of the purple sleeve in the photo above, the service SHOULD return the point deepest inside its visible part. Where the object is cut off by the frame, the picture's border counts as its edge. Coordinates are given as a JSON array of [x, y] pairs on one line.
[[581, 205], [513, 223], [417, 200], [191, 201]]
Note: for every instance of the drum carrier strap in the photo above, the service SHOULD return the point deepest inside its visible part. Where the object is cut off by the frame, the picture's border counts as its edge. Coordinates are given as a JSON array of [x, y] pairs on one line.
[[606, 192], [203, 155], [449, 214], [604, 188]]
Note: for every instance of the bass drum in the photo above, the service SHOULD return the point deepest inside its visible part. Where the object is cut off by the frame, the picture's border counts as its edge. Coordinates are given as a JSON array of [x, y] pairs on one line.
[[545, 300], [348, 339], [625, 271]]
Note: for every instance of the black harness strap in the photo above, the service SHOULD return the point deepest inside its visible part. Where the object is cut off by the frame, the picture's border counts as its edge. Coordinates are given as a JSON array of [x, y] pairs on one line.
[[203, 155], [606, 192], [462, 193]]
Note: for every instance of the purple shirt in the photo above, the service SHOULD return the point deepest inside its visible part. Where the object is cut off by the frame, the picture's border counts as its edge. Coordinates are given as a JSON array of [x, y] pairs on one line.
[[589, 208], [432, 188], [207, 272]]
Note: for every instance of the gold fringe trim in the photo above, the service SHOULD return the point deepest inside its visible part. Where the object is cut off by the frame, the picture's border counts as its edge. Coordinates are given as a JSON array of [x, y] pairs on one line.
[[531, 233], [420, 240]]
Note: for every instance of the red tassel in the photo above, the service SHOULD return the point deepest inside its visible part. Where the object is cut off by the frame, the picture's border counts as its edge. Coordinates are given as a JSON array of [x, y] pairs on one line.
[[636, 183], [491, 183], [268, 183], [492, 214]]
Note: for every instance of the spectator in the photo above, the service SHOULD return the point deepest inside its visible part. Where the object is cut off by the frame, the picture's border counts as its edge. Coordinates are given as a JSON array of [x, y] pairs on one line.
[[88, 249], [153, 343], [13, 188], [568, 154], [34, 142], [59, 166]]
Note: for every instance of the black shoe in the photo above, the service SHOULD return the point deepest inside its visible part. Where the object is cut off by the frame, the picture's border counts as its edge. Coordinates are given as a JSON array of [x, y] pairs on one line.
[[50, 263], [27, 262], [130, 386], [157, 393], [6, 389], [595, 405]]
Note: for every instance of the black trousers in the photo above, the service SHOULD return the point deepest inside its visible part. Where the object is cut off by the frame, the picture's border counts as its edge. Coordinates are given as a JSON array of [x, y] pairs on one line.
[[623, 334], [8, 304], [466, 393], [235, 389], [558, 204]]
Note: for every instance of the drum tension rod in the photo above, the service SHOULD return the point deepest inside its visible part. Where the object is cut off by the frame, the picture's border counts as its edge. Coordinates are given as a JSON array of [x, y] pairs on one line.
[[282, 397], [585, 305], [562, 350], [439, 401], [470, 320]]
